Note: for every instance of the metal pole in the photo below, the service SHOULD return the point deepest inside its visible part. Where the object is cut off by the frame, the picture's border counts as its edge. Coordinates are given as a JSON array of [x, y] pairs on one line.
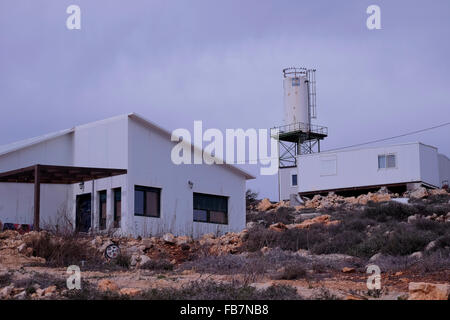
[[37, 197]]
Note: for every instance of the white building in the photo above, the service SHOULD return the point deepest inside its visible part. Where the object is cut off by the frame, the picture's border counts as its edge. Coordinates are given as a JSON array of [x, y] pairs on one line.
[[396, 167], [145, 193]]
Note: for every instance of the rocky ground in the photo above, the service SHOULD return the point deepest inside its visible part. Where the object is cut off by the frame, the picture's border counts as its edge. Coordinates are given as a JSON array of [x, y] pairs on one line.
[[320, 250]]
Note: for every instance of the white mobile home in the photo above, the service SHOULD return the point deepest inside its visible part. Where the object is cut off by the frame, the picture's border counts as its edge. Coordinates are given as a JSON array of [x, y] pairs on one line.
[[396, 167], [117, 174]]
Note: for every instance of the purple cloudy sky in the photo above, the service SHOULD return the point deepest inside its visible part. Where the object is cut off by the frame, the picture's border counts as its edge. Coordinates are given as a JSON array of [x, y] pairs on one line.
[[220, 61]]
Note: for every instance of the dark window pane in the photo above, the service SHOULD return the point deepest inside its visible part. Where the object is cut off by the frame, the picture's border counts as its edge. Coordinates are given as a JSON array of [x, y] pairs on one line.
[[139, 197], [200, 215], [218, 217], [210, 208], [152, 204], [294, 179], [381, 162], [390, 161], [117, 207]]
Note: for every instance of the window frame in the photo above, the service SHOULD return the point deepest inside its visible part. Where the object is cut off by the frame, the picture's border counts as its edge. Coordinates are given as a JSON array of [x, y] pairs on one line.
[[296, 180], [100, 202], [385, 155], [208, 215], [117, 223], [145, 189]]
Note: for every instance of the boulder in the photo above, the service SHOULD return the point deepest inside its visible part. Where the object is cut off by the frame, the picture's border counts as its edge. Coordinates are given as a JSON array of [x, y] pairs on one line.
[[416, 255], [428, 291], [20, 296], [264, 205], [107, 285], [419, 193], [6, 292], [147, 243], [348, 270], [169, 238], [431, 245], [144, 259], [279, 227], [183, 240], [131, 292], [375, 257]]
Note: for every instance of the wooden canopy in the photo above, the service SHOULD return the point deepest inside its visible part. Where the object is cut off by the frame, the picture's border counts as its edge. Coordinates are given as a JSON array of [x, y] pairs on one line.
[[50, 174]]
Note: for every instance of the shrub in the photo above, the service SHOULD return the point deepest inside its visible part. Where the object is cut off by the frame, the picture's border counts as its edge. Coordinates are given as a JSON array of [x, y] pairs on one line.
[[61, 251], [123, 260], [210, 290], [293, 271], [162, 264], [5, 279], [251, 198], [383, 212], [406, 240], [283, 214]]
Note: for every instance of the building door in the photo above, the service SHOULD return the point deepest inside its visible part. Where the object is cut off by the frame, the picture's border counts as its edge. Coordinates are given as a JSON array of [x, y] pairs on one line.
[[83, 219]]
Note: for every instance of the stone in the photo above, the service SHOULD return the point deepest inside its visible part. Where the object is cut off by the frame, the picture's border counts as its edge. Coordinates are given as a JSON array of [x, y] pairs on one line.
[[144, 259], [348, 270], [251, 224], [49, 290], [264, 205], [6, 292], [21, 296], [438, 191], [430, 246], [147, 243], [419, 193], [183, 240], [428, 291], [169, 238], [22, 248], [131, 292], [412, 218], [375, 257], [107, 285], [416, 255], [105, 245], [279, 227], [134, 259], [265, 250]]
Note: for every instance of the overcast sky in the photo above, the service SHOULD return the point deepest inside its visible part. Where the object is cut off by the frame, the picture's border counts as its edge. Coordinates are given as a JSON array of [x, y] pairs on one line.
[[220, 61]]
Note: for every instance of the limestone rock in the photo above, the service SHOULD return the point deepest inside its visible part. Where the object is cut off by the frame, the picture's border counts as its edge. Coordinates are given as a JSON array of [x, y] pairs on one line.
[[279, 227], [169, 238], [419, 193], [428, 291], [132, 292], [107, 285], [264, 205]]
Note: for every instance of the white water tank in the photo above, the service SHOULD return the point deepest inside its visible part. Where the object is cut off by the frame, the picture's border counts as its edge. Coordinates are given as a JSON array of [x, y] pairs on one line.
[[299, 89]]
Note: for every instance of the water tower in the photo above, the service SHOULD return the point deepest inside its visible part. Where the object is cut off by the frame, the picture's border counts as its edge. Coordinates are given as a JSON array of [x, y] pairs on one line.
[[297, 135]]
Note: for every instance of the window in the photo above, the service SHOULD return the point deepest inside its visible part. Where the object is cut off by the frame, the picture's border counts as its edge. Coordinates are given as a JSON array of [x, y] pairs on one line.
[[147, 201], [387, 161], [294, 180], [328, 166], [102, 210], [210, 208], [117, 207], [295, 82]]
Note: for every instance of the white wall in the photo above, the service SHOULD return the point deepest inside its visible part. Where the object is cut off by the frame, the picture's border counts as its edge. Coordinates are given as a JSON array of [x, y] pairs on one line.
[[429, 165], [103, 144], [150, 165], [17, 203], [444, 169], [285, 182], [17, 199], [359, 167]]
